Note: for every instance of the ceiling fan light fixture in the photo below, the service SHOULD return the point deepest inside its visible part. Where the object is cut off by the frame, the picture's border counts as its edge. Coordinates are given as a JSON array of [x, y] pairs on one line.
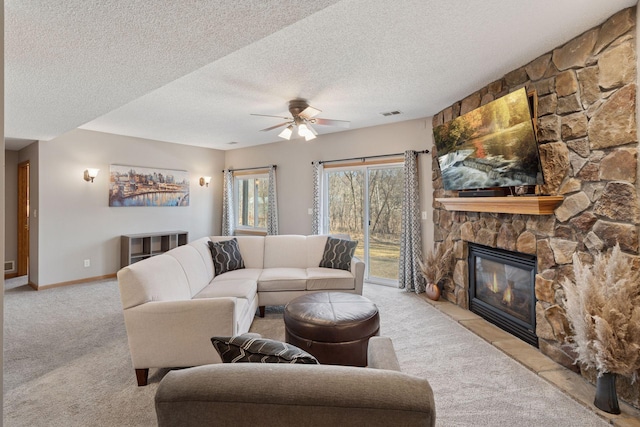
[[303, 130], [307, 131], [299, 124], [286, 133]]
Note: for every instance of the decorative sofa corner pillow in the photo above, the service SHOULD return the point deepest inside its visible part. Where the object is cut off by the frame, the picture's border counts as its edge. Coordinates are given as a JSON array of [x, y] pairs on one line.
[[338, 253], [226, 256], [242, 348]]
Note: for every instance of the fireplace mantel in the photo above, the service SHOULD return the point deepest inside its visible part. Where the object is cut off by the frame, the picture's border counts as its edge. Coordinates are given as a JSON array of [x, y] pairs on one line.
[[527, 205]]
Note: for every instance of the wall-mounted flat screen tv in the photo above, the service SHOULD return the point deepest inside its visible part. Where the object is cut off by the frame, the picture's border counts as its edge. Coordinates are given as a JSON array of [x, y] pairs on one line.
[[492, 146]]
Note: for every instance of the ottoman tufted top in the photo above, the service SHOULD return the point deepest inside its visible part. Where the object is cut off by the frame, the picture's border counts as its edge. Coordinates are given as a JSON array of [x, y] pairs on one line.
[[332, 317]]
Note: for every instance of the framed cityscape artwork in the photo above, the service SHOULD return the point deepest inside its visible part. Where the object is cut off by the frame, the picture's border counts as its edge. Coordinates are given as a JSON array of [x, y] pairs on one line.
[[143, 186]]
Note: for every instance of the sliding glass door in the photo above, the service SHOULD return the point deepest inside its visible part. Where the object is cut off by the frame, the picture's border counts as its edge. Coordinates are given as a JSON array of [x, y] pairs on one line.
[[385, 189], [365, 202], [344, 196]]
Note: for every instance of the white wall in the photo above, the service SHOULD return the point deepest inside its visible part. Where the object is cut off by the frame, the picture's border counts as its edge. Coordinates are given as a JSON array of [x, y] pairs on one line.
[[74, 220], [71, 220], [295, 177]]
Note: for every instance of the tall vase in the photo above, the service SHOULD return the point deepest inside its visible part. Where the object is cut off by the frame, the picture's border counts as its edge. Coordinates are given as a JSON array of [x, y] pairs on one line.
[[433, 291], [606, 396]]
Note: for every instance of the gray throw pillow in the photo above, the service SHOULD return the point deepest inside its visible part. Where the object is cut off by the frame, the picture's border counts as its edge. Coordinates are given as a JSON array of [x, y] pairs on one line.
[[243, 348], [338, 253], [226, 256]]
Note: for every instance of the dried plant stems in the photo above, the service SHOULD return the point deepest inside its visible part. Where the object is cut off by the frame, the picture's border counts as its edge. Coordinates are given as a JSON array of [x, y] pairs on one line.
[[603, 308], [437, 264]]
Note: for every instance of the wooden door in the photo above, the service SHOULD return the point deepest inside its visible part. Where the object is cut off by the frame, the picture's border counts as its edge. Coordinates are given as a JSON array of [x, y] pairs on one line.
[[23, 218]]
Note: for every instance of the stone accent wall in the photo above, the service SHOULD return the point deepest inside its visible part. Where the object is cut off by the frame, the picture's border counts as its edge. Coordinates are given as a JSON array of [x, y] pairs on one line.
[[586, 93]]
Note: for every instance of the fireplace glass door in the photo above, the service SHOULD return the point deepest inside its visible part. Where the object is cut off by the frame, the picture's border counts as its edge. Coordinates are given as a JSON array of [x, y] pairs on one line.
[[501, 289], [504, 287]]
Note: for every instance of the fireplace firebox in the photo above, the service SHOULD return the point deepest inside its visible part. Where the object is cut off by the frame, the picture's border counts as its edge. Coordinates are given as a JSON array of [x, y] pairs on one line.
[[502, 289]]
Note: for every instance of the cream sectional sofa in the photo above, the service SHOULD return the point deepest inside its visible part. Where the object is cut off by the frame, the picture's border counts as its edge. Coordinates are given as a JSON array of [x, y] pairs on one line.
[[174, 303]]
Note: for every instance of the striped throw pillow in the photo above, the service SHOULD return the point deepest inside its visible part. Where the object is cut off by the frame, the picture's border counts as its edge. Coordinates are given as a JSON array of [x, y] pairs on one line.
[[338, 253], [226, 256], [242, 348]]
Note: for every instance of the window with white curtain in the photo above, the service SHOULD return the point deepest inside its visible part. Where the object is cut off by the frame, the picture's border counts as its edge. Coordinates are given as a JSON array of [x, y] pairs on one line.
[[251, 201]]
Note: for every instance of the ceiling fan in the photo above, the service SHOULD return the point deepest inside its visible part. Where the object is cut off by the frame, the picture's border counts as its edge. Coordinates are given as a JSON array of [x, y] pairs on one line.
[[302, 117]]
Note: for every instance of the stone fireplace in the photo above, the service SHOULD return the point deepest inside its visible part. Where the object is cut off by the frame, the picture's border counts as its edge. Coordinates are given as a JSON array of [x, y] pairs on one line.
[[587, 134], [501, 290]]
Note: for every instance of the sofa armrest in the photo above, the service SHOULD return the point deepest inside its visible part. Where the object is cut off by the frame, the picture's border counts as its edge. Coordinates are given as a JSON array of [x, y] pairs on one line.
[[178, 333], [275, 394], [357, 269], [381, 355]]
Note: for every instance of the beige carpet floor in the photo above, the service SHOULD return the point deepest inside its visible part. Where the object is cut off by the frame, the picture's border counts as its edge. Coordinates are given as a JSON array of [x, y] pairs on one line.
[[66, 363]]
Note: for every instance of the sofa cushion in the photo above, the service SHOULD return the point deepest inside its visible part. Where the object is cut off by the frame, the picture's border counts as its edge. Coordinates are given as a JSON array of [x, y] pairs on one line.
[[226, 256], [238, 288], [321, 278], [315, 249], [242, 274], [251, 248], [246, 348], [193, 266], [285, 251], [338, 253], [202, 246], [282, 279]]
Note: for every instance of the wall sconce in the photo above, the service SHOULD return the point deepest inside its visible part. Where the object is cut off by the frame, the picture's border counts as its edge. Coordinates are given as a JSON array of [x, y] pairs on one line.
[[90, 174], [205, 180]]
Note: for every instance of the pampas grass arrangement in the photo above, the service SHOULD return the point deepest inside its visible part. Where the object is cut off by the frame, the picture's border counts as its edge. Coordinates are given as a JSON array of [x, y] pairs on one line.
[[437, 264], [603, 308]]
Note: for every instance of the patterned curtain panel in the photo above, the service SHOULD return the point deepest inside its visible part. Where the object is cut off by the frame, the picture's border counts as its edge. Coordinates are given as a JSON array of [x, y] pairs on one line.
[[272, 207], [227, 204], [316, 219], [409, 277]]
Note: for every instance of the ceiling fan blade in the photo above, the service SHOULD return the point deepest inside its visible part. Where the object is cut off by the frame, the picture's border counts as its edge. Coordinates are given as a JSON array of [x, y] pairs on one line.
[[309, 112], [276, 126], [331, 122], [266, 115]]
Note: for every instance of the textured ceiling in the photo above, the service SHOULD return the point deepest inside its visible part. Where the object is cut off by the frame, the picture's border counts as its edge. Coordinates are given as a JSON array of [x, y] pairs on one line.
[[192, 72]]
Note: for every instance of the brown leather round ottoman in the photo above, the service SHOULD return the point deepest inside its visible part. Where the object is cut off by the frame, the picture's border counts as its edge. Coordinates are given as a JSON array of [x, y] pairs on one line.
[[335, 327]]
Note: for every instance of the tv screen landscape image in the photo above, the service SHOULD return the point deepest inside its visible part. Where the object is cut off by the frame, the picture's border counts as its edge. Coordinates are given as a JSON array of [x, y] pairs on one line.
[[492, 146]]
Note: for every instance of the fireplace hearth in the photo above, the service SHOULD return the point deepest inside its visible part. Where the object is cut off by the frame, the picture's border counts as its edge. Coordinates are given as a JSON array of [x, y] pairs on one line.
[[502, 289]]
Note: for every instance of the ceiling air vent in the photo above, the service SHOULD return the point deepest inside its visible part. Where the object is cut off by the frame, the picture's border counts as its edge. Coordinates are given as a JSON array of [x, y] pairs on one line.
[[391, 113]]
